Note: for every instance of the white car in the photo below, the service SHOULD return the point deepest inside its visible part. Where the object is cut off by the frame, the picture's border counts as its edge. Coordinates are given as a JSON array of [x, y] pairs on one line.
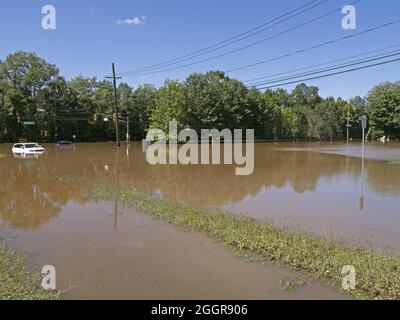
[[27, 148]]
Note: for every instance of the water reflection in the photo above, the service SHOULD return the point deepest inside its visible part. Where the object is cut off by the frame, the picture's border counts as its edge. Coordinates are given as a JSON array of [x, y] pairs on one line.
[[27, 156], [362, 198], [31, 195]]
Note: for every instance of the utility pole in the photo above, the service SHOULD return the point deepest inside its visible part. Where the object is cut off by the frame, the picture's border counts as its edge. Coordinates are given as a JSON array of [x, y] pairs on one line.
[[116, 104]]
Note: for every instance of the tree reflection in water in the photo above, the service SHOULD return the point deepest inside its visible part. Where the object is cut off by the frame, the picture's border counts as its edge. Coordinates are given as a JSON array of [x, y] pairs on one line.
[[31, 194]]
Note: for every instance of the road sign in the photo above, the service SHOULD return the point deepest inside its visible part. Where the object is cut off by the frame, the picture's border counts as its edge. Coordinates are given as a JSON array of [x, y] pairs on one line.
[[29, 123], [364, 122]]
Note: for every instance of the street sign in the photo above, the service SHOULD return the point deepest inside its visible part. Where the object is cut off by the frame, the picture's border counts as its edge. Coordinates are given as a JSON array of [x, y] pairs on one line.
[[29, 123], [364, 122]]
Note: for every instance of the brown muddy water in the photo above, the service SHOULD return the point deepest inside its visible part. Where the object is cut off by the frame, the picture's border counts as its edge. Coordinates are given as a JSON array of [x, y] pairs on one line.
[[102, 250]]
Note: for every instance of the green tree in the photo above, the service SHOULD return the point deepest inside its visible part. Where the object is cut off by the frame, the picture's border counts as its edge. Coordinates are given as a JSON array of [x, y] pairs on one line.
[[214, 100], [384, 110], [357, 107], [290, 124], [143, 102], [170, 106], [57, 104], [329, 118], [305, 99], [24, 75]]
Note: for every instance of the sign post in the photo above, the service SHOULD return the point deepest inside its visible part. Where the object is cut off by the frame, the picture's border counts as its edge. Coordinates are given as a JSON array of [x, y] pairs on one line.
[[364, 122]]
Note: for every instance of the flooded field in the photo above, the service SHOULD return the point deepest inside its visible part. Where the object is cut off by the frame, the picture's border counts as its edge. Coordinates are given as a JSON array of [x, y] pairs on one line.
[[106, 251]]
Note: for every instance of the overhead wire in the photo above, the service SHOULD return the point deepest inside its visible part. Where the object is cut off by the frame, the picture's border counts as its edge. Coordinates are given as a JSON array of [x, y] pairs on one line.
[[127, 74]]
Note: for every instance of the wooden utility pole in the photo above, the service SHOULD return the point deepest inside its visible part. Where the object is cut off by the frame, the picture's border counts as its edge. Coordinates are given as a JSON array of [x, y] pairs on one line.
[[116, 104]]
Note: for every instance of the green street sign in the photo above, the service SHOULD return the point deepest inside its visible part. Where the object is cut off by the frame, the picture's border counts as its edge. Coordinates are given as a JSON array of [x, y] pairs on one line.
[[29, 123]]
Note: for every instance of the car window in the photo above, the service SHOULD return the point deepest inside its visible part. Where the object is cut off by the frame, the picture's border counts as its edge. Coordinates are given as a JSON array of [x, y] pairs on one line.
[[31, 145]]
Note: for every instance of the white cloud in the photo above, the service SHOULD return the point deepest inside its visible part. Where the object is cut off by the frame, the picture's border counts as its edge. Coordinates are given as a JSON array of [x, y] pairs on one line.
[[136, 21]]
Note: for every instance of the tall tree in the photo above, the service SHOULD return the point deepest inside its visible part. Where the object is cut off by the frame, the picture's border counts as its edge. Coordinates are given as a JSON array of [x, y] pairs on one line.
[[25, 75], [170, 106], [384, 109]]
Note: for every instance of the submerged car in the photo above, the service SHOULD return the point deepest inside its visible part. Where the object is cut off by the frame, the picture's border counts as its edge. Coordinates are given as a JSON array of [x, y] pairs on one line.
[[27, 148], [64, 143]]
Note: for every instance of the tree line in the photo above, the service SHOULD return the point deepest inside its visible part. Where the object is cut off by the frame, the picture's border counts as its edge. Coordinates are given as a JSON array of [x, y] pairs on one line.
[[38, 104]]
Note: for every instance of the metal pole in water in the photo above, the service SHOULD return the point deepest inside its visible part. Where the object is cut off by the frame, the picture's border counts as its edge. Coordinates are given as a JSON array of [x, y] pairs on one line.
[[364, 126], [348, 124]]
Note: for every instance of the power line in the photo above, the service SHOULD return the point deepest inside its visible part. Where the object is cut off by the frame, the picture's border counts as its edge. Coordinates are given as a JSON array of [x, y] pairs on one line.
[[301, 76], [72, 112], [340, 66], [323, 44], [311, 78], [71, 119], [245, 35], [320, 64], [250, 84], [331, 74], [244, 47]]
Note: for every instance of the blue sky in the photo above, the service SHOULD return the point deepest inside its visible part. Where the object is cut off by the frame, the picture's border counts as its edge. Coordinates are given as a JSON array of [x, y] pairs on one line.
[[88, 37]]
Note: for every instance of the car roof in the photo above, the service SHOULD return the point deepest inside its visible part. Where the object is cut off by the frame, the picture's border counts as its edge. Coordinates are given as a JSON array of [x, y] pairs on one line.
[[24, 143]]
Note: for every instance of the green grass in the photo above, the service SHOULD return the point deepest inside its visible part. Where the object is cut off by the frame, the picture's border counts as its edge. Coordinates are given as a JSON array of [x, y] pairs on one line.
[[17, 282], [378, 275]]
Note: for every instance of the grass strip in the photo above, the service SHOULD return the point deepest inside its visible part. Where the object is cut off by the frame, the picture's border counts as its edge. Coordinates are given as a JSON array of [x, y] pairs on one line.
[[16, 282], [377, 274]]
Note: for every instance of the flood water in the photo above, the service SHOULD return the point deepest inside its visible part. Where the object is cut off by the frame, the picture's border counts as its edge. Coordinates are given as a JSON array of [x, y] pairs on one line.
[[99, 247]]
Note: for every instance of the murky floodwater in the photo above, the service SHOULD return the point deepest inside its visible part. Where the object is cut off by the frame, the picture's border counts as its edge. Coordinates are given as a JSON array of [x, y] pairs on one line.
[[109, 252]]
